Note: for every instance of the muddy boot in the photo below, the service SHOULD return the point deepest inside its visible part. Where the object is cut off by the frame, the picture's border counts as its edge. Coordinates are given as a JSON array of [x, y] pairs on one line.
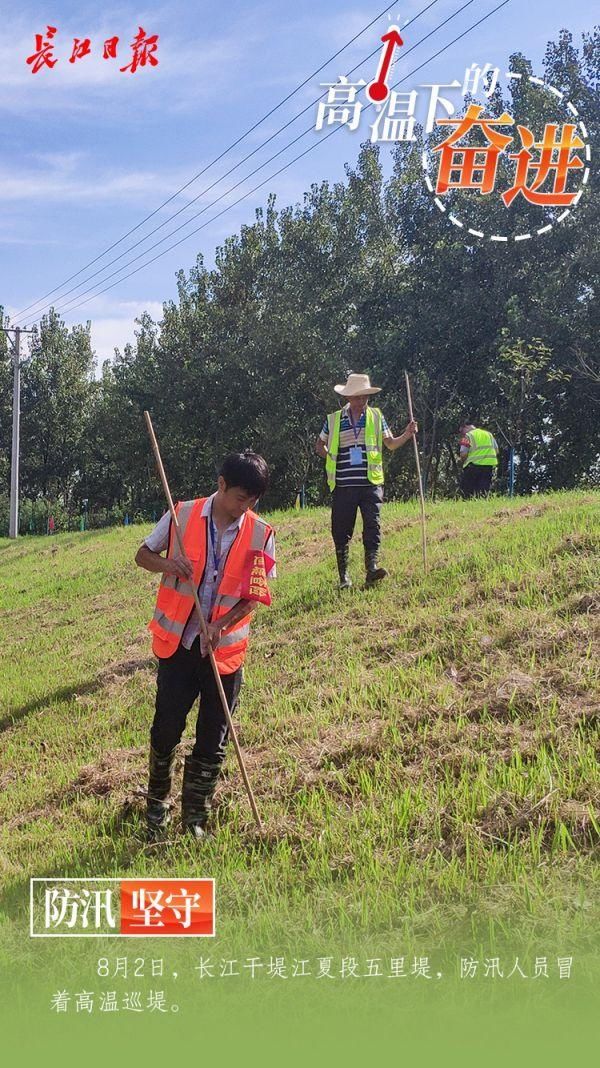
[[342, 563], [199, 784], [158, 814], [374, 573]]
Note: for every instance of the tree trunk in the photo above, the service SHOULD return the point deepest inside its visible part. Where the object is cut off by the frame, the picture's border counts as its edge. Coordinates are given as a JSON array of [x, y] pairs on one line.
[[455, 467]]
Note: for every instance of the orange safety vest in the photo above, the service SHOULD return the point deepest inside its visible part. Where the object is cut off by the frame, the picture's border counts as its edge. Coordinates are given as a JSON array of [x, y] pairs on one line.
[[175, 600]]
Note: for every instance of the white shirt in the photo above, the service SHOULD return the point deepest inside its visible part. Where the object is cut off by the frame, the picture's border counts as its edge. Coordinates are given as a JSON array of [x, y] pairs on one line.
[[158, 541]]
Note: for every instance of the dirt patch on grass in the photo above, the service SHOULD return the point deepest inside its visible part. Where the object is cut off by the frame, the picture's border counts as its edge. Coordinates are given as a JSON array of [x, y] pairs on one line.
[[570, 824], [516, 686], [453, 749], [588, 604], [384, 651], [358, 743], [123, 669], [447, 534], [509, 818], [402, 524], [527, 511], [514, 695], [335, 762], [7, 778], [29, 816], [589, 717], [578, 544], [116, 773], [532, 511]]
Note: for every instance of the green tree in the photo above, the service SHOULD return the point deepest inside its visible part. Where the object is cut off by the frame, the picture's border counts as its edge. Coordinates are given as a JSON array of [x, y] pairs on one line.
[[55, 396]]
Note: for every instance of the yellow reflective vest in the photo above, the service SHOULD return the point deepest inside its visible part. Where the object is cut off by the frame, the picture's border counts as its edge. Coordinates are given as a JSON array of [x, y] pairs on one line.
[[482, 452], [373, 445]]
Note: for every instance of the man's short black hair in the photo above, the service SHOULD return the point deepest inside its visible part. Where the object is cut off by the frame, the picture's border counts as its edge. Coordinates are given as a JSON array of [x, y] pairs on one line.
[[246, 470]]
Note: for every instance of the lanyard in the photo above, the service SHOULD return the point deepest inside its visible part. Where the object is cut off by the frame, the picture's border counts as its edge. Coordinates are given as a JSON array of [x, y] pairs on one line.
[[213, 545], [355, 427]]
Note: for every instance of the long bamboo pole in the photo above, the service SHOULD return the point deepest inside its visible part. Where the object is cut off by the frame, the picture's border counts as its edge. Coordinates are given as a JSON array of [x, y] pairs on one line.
[[222, 695], [417, 461]]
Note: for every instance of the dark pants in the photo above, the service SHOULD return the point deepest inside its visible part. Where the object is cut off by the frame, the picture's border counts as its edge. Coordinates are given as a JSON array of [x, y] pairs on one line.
[[345, 503], [182, 678], [476, 481]]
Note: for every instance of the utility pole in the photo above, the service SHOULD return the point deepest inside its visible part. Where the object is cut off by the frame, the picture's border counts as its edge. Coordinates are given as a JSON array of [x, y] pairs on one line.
[[13, 527]]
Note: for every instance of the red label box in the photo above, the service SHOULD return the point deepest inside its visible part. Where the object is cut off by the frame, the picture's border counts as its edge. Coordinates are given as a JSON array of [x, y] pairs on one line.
[[167, 907]]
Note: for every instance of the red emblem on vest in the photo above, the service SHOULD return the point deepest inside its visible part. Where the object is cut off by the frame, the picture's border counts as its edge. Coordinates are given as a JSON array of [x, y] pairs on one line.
[[254, 576]]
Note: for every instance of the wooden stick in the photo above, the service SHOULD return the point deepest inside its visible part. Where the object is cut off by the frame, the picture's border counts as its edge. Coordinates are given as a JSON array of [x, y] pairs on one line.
[[236, 745], [421, 496]]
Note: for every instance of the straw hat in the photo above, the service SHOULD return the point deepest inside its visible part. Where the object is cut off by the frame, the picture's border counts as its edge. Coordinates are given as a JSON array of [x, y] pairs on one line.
[[357, 386]]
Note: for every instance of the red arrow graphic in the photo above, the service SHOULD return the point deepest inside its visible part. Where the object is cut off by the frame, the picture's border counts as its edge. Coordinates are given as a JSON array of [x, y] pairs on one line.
[[378, 90]]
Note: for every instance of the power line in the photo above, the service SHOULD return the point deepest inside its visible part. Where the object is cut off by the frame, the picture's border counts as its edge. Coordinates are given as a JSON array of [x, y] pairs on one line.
[[265, 163], [289, 164], [255, 171], [20, 315]]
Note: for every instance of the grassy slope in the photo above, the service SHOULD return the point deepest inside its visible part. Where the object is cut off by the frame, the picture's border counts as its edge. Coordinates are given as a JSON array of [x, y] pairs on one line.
[[424, 754]]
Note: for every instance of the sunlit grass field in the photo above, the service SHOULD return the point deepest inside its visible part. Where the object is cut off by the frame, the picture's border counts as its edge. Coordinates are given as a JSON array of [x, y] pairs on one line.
[[424, 754]]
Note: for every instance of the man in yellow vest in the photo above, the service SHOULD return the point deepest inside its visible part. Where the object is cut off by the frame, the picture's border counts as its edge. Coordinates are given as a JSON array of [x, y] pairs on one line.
[[229, 556], [479, 457], [351, 443]]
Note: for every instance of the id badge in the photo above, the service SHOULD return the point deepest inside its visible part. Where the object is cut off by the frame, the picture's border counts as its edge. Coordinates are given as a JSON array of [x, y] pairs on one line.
[[356, 456]]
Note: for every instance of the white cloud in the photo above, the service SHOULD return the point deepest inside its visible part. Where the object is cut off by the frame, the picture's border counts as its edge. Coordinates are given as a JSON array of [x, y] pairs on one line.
[[9, 236], [63, 178], [189, 74], [112, 322], [115, 331]]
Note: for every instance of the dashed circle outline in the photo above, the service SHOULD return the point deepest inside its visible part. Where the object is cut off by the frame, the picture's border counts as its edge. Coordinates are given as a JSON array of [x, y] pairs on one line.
[[549, 226]]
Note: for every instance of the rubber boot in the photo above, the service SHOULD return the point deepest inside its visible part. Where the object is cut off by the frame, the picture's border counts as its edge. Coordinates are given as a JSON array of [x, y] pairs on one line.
[[158, 814], [199, 784], [374, 573], [342, 563]]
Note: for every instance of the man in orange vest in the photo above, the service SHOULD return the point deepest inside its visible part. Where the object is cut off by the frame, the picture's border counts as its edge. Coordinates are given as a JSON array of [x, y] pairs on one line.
[[229, 556]]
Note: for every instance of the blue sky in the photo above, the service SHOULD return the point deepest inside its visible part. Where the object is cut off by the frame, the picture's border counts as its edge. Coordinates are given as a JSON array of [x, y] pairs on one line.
[[88, 151]]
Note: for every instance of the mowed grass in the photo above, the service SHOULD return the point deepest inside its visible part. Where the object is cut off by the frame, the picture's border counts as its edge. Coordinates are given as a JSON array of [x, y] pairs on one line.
[[424, 754]]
